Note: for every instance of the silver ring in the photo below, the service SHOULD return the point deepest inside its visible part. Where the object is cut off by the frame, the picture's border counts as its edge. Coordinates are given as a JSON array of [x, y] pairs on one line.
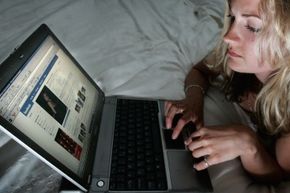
[[206, 162]]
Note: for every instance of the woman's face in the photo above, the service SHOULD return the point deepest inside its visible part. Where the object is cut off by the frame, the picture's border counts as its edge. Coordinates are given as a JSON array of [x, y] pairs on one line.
[[245, 25]]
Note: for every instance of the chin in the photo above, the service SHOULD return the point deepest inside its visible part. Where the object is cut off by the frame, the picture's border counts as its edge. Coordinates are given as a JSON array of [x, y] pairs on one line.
[[234, 66]]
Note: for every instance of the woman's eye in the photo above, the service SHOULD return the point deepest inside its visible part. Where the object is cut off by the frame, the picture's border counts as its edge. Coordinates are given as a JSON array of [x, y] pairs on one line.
[[253, 29]]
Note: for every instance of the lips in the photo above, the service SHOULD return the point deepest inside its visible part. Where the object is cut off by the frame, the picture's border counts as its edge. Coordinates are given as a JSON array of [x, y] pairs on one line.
[[233, 54]]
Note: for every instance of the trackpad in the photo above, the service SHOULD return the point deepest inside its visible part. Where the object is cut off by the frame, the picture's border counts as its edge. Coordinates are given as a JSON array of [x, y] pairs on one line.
[[182, 174], [173, 144]]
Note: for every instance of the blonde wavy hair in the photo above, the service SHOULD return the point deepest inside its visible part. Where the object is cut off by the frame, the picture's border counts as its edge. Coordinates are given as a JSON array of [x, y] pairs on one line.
[[273, 101]]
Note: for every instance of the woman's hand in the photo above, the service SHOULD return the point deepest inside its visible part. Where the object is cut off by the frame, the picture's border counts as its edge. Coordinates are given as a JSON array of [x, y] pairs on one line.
[[192, 109], [195, 84], [221, 143]]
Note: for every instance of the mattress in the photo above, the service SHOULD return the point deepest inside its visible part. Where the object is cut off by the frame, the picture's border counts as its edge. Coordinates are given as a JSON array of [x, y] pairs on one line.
[[129, 47]]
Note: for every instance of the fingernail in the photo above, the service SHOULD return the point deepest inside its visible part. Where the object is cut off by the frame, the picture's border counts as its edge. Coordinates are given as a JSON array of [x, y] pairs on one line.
[[167, 126], [173, 136]]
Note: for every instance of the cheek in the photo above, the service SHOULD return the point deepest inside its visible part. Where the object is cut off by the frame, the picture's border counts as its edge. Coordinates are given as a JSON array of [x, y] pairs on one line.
[[250, 51], [249, 38], [252, 38], [255, 63], [251, 55]]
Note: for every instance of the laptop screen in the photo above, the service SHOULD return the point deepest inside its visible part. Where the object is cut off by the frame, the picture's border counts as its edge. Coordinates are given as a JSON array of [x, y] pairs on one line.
[[52, 102]]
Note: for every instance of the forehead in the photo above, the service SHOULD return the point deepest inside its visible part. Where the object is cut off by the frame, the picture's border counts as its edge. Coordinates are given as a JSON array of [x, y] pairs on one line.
[[245, 6]]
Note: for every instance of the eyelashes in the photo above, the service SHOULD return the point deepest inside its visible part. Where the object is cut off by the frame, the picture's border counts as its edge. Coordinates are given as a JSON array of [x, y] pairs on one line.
[[253, 29], [248, 27]]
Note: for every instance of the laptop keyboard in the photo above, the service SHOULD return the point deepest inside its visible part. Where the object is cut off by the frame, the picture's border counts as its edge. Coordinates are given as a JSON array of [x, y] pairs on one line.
[[137, 160]]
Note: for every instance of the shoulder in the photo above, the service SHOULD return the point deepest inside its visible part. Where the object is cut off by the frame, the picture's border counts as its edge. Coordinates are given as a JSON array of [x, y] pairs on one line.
[[282, 152]]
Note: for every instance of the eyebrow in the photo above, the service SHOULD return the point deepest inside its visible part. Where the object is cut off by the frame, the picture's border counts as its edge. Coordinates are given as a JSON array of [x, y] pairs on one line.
[[251, 15]]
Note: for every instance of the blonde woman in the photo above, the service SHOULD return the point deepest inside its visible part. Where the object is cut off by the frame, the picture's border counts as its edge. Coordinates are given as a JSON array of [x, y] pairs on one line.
[[253, 60]]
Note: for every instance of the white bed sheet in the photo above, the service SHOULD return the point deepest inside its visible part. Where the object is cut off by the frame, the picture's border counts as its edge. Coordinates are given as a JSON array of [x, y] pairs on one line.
[[129, 47]]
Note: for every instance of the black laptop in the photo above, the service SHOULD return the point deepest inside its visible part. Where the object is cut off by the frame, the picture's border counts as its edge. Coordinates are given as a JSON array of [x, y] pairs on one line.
[[50, 105]]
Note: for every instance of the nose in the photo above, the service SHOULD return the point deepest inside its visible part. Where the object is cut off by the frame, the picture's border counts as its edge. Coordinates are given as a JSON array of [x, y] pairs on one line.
[[232, 34]]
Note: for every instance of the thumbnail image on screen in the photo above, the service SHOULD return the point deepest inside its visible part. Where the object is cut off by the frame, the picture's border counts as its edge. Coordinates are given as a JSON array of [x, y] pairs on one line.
[[52, 104]]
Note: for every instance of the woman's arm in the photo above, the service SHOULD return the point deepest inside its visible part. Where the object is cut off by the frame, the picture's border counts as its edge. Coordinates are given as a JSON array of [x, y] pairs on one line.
[[199, 75], [226, 142], [258, 162]]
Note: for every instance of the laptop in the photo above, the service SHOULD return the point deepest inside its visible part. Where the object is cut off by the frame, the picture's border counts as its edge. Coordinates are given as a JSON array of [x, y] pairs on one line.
[[51, 106]]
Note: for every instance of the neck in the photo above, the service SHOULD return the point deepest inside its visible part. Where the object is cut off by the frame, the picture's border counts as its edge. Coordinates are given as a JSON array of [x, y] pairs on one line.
[[263, 77]]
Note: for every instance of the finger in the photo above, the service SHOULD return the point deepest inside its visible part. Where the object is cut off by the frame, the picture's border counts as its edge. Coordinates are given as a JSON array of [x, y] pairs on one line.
[[204, 164], [199, 123], [169, 119], [197, 143], [196, 135], [202, 151], [170, 115], [219, 131], [168, 122], [178, 128], [167, 106]]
